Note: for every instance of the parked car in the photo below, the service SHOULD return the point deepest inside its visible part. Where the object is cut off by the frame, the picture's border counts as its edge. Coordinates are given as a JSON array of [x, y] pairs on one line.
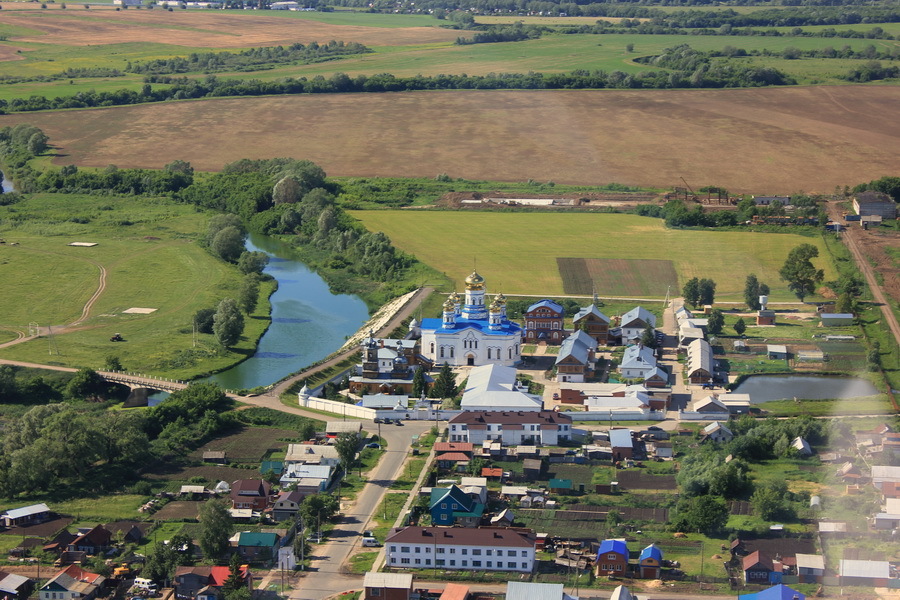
[[387, 421], [373, 445], [379, 420]]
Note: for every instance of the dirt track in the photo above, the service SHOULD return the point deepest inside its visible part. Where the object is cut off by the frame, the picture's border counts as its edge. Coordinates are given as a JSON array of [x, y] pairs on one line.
[[762, 141]]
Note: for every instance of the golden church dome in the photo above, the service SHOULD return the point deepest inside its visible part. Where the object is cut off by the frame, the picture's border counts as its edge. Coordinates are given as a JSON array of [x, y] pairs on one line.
[[474, 281]]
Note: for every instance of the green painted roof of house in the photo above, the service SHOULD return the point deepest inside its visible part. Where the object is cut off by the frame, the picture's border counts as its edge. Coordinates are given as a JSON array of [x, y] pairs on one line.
[[253, 538]]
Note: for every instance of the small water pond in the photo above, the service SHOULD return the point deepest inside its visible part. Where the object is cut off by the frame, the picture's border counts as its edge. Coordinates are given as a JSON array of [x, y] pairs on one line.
[[763, 388]]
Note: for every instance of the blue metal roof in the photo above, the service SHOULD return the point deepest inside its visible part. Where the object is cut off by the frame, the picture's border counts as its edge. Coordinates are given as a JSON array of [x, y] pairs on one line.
[[617, 546], [778, 592], [482, 325], [651, 551], [549, 304]]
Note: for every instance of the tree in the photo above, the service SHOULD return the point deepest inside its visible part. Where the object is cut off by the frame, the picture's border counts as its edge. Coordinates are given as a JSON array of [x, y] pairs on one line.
[[203, 320], [235, 579], [287, 191], [704, 514], [215, 529], [691, 292], [845, 304], [160, 563], [252, 262], [740, 326], [798, 270], [218, 223], [418, 384], [716, 322], [86, 383], [180, 166], [228, 244], [307, 430], [445, 384], [113, 363], [770, 501], [873, 356], [347, 444], [753, 289], [707, 291], [648, 337], [37, 143], [248, 295], [228, 323]]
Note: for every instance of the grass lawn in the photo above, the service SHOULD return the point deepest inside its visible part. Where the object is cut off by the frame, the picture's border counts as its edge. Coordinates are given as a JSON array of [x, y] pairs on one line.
[[407, 479], [139, 240], [867, 405], [442, 240], [386, 514], [361, 562], [117, 507]]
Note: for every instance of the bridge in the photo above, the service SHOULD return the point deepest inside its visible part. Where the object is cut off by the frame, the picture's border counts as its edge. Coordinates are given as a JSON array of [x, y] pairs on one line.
[[136, 381]]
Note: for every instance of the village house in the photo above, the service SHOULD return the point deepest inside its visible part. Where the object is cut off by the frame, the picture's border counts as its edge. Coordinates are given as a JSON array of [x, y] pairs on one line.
[[461, 548], [638, 362], [758, 568], [778, 592], [868, 573], [612, 559], [254, 546], [700, 363], [311, 454], [452, 506], [92, 541], [309, 479], [650, 562], [810, 567], [622, 444], [593, 322], [882, 474], [72, 583], [287, 504], [387, 586], [453, 455], [495, 388], [576, 360], [634, 322], [335, 428], [544, 322], [546, 427], [716, 432], [189, 582], [15, 587], [250, 493]]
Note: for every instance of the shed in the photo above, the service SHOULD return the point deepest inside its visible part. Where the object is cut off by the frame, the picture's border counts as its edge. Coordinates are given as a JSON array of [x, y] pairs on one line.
[[871, 202], [765, 317], [810, 356], [215, 456], [776, 351]]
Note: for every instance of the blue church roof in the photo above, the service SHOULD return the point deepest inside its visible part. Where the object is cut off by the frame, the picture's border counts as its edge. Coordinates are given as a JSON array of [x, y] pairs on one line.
[[651, 551], [617, 546], [778, 592], [549, 304], [482, 325]]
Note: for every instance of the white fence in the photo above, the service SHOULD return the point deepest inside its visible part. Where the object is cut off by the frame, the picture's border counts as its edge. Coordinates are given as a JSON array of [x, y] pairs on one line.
[[619, 415], [695, 416], [351, 410]]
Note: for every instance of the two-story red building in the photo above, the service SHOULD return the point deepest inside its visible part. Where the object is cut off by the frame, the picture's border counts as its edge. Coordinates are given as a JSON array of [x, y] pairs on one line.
[[250, 493], [544, 322]]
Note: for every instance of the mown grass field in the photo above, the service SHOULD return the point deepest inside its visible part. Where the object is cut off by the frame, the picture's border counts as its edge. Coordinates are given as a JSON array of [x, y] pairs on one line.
[[517, 253], [148, 250]]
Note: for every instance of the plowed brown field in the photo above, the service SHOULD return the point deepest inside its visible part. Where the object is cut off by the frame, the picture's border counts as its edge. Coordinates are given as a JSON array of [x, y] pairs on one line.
[[212, 29], [756, 140]]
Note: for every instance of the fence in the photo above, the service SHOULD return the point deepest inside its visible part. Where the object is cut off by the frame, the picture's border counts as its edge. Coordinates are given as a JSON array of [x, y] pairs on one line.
[[617, 416], [351, 410]]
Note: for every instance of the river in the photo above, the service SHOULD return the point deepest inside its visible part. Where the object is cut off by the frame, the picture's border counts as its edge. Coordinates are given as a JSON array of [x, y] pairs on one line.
[[308, 321]]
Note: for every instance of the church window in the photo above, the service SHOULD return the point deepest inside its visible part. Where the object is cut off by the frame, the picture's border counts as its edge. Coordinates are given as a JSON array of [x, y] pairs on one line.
[[451, 351], [489, 354], [432, 347], [442, 352]]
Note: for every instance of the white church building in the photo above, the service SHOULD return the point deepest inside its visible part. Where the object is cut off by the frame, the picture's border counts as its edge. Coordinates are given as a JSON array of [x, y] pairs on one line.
[[472, 333]]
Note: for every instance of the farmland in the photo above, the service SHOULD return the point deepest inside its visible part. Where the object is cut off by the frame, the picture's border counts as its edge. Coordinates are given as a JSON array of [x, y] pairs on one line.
[[617, 277], [444, 241], [136, 240], [836, 135]]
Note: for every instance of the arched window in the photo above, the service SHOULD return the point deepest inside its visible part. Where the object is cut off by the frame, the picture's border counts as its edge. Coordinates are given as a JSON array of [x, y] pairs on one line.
[[432, 348], [442, 352], [489, 354]]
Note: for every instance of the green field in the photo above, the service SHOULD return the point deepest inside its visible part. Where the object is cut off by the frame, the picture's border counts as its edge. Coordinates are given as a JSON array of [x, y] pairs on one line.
[[151, 260], [517, 252]]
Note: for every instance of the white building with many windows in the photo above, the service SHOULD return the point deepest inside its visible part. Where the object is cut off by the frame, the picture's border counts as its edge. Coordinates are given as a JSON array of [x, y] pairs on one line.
[[511, 428], [481, 549], [471, 333]]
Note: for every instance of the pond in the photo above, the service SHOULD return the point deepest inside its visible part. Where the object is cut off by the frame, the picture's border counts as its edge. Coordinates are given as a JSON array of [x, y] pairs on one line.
[[763, 388]]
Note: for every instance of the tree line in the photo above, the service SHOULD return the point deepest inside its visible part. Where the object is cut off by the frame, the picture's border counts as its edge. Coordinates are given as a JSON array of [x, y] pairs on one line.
[[253, 59], [713, 75]]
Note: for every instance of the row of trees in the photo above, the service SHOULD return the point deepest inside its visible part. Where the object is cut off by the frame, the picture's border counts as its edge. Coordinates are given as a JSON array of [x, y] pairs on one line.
[[713, 75], [698, 292], [254, 59]]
